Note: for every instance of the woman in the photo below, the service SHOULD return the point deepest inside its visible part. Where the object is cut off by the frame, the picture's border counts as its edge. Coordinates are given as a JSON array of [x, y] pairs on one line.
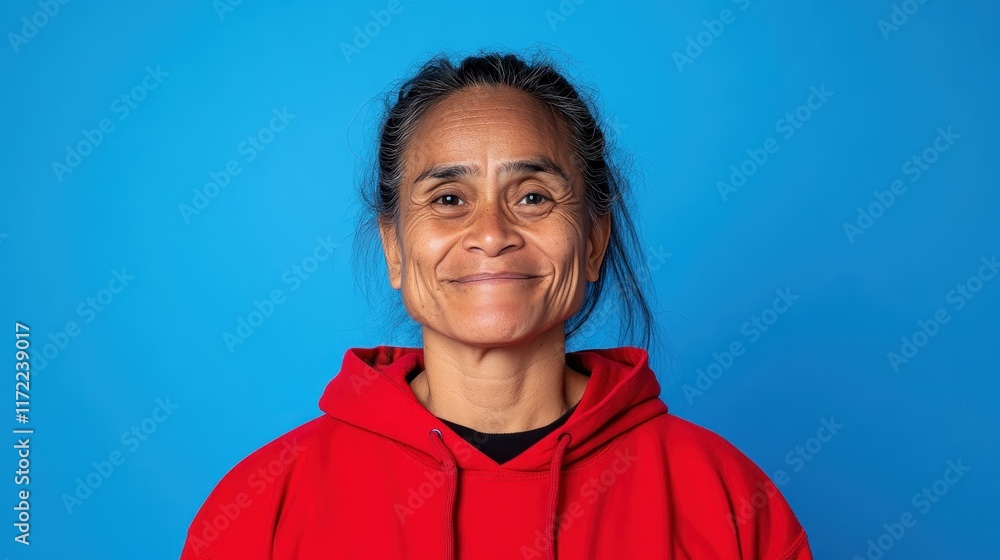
[[502, 224]]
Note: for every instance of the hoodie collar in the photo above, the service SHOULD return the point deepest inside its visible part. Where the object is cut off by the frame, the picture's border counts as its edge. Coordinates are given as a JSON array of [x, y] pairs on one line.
[[371, 393]]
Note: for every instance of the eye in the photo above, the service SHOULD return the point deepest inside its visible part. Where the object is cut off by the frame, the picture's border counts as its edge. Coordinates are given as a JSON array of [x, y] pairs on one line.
[[449, 200], [534, 198]]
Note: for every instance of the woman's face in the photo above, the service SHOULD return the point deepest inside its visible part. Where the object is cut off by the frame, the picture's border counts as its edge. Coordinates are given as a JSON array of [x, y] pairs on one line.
[[493, 245]]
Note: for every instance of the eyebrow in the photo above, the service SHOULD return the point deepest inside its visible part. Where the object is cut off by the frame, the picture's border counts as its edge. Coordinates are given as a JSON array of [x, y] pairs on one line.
[[522, 166]]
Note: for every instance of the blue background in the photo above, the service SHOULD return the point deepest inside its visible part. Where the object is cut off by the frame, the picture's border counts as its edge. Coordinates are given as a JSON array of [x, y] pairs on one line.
[[715, 260]]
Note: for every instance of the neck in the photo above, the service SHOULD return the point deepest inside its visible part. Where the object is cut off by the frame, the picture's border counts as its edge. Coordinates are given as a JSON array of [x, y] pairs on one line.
[[499, 389]]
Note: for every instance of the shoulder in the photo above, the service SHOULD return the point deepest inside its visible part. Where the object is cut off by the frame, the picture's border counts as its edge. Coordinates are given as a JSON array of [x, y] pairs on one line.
[[697, 445], [238, 516], [723, 492], [284, 454], [687, 445]]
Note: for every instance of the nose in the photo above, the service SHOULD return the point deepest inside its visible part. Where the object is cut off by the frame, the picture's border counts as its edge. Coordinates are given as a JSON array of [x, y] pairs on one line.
[[492, 233]]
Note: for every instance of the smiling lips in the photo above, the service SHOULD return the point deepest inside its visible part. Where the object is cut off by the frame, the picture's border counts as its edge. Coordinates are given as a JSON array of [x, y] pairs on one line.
[[493, 277]]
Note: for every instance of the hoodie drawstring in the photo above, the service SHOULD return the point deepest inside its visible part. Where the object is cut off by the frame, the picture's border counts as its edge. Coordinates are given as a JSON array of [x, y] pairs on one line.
[[555, 472], [451, 476]]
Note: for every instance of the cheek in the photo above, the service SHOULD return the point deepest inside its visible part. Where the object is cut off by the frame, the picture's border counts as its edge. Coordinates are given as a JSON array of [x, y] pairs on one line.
[[567, 245], [425, 245]]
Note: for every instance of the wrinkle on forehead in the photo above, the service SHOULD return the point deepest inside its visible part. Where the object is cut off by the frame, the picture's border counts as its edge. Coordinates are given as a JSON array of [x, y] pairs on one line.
[[448, 121]]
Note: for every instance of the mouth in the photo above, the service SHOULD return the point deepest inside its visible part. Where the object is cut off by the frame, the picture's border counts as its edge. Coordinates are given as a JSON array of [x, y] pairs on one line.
[[493, 277]]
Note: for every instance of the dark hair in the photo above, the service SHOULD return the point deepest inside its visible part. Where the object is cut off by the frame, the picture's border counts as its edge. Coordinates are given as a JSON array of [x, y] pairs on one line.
[[605, 183]]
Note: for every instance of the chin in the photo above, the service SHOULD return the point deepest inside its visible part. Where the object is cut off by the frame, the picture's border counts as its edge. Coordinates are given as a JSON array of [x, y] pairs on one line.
[[498, 329]]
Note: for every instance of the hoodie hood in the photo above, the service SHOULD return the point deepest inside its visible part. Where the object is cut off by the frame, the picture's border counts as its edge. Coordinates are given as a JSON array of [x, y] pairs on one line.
[[371, 393]]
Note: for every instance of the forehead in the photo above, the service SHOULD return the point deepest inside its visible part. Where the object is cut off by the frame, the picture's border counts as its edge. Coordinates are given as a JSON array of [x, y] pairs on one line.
[[489, 122]]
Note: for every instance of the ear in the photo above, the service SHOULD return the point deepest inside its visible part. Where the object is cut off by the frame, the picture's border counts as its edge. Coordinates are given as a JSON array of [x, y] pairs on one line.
[[393, 254], [597, 246]]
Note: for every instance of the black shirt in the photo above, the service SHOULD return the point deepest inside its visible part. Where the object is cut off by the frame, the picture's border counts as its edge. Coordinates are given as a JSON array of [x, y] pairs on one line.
[[504, 447]]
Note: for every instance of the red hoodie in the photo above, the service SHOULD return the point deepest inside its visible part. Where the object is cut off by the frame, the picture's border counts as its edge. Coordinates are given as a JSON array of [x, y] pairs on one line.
[[378, 476]]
